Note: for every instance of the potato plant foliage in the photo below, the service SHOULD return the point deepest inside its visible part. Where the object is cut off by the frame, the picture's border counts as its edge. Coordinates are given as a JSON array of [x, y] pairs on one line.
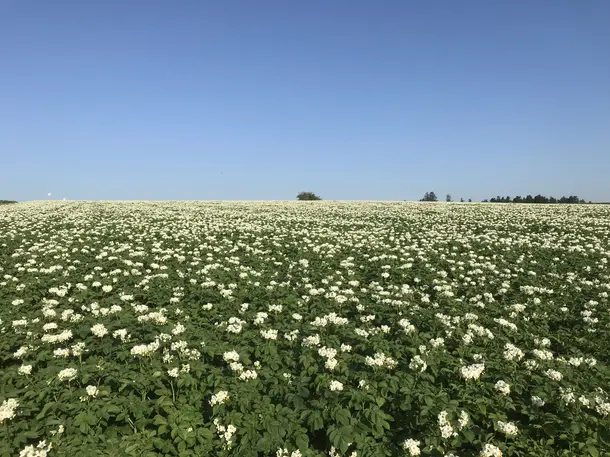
[[283, 329]]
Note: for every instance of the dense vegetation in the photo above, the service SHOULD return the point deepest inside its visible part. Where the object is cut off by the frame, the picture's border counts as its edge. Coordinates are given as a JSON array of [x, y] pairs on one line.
[[287, 330]]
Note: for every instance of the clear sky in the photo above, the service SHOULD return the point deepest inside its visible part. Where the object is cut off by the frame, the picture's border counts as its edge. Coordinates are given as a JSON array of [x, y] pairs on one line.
[[351, 99]]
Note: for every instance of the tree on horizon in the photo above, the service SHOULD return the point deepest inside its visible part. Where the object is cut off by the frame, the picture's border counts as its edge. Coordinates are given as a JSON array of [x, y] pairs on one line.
[[429, 197], [307, 196]]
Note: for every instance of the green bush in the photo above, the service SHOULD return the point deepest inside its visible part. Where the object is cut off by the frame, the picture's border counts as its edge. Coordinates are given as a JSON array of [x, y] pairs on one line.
[[307, 196]]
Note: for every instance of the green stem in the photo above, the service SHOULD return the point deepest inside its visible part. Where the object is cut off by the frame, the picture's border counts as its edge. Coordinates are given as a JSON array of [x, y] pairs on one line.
[[135, 430]]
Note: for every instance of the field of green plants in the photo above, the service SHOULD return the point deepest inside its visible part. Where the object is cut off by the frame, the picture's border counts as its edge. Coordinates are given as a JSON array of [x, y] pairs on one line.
[[304, 329]]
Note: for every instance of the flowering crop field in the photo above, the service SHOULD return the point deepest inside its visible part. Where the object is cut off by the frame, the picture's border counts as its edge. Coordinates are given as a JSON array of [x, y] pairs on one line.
[[304, 329]]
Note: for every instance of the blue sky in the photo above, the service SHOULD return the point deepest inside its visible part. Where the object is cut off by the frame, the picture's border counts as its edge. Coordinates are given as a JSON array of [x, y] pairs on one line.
[[376, 100]]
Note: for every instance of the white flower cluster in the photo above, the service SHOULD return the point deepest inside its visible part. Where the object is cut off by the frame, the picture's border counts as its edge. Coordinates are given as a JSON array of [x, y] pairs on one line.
[[602, 407], [489, 450], [59, 338], [46, 327], [542, 342], [181, 347], [380, 360], [518, 307], [463, 419], [40, 450], [554, 375], [480, 331], [505, 323], [334, 453], [225, 433], [292, 336], [361, 332], [336, 386], [512, 352], [508, 428], [219, 398], [25, 370], [346, 348], [284, 453], [473, 371], [260, 319], [235, 325], [121, 334], [270, 334], [178, 329], [329, 354], [92, 391], [567, 395], [248, 374], [530, 364], [536, 400], [67, 374], [331, 318], [502, 387], [22, 352], [543, 354], [173, 372], [143, 350], [99, 330], [412, 447], [445, 426], [7, 409], [156, 317], [311, 341], [368, 318], [70, 315], [78, 349], [231, 356], [418, 364]]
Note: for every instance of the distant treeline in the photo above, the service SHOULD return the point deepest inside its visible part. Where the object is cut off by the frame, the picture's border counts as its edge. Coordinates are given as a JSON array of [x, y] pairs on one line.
[[536, 199], [6, 202], [431, 197]]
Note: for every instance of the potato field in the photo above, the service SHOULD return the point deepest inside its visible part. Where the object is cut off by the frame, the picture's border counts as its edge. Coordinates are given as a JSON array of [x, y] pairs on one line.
[[288, 329]]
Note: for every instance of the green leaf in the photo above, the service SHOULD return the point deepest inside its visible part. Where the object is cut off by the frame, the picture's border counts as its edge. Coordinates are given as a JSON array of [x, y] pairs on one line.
[[206, 434], [315, 421], [469, 435], [159, 420], [342, 416], [302, 442]]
